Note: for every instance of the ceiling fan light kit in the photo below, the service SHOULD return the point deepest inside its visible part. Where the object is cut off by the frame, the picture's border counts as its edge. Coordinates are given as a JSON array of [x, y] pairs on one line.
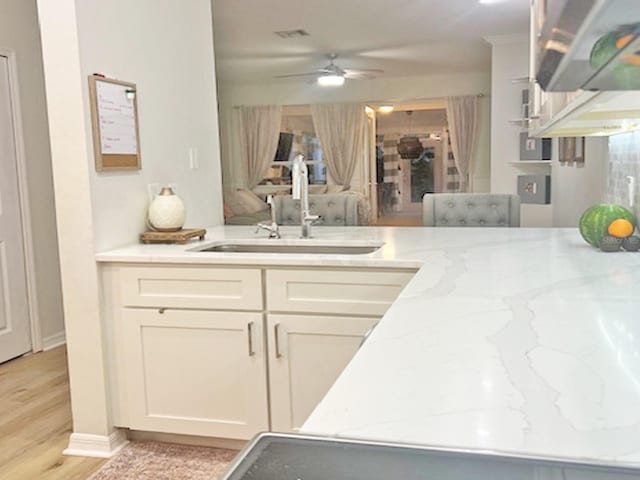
[[334, 76], [330, 80]]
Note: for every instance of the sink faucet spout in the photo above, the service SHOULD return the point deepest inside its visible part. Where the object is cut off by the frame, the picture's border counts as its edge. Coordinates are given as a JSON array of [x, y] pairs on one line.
[[300, 191]]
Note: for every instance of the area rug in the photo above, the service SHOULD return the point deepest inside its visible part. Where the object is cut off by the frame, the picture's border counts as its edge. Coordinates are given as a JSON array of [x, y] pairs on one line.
[[165, 461]]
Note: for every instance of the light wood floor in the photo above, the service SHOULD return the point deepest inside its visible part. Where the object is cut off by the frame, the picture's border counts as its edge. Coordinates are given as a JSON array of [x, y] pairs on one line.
[[35, 420]]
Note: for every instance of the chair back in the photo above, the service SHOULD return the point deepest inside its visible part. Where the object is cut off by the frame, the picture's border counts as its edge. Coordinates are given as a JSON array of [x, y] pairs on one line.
[[334, 209], [470, 210]]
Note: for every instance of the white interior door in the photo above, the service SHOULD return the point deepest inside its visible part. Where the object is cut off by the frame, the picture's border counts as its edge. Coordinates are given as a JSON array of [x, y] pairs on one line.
[[15, 336]]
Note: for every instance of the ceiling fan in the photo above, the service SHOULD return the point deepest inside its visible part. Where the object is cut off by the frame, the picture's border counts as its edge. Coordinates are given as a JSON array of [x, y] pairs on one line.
[[333, 75]]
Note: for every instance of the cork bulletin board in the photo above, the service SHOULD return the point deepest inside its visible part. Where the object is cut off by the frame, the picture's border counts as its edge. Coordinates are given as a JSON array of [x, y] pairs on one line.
[[114, 118]]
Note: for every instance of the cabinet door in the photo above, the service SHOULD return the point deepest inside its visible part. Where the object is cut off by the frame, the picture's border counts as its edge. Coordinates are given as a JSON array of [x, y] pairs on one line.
[[195, 372], [307, 353]]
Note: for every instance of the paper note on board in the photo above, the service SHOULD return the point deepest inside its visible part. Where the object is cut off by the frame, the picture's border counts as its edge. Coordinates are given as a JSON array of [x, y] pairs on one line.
[[117, 118]]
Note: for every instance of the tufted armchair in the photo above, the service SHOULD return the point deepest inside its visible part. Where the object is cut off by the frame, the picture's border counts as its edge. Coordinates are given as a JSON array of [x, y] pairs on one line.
[[334, 210], [470, 210]]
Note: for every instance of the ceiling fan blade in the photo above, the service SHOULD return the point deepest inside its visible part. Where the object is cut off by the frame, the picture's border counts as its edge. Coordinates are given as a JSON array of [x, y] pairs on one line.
[[294, 75], [363, 70], [359, 76]]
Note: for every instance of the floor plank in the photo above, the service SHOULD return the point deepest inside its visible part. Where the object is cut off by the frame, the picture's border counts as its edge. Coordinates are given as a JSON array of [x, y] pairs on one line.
[[35, 420]]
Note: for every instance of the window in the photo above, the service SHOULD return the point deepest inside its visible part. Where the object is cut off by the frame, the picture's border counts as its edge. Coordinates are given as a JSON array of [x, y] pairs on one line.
[[297, 135]]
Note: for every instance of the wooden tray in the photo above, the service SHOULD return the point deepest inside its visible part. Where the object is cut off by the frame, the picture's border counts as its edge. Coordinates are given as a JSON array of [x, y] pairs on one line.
[[179, 237]]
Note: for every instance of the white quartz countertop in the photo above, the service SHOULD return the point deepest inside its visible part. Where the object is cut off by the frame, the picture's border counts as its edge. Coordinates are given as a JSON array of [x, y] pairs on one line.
[[524, 341]]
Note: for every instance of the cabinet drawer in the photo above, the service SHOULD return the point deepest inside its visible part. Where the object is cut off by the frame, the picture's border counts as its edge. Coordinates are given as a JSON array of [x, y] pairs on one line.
[[189, 287], [369, 292]]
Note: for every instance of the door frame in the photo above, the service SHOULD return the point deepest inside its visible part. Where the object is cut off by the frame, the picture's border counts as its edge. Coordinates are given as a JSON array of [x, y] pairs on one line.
[[371, 177], [23, 196]]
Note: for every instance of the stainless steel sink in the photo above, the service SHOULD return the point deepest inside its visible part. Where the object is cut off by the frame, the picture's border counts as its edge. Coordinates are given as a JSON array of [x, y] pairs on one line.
[[272, 456], [295, 248]]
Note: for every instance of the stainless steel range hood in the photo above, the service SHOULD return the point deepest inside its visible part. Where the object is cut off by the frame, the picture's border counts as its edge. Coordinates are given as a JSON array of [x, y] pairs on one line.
[[589, 45]]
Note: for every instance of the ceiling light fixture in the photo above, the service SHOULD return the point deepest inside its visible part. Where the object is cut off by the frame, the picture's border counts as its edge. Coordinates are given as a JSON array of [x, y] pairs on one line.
[[330, 80], [491, 2], [385, 108]]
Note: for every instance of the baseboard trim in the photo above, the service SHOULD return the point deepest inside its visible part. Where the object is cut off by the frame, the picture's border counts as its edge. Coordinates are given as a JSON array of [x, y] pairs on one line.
[[215, 442], [99, 446], [53, 341]]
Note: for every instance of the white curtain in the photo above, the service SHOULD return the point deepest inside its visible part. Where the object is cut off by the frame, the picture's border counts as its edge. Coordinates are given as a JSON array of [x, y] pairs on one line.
[[340, 128], [259, 134], [462, 117]]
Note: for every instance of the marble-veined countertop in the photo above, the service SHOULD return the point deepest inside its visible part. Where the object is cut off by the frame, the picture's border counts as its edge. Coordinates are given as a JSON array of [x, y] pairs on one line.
[[524, 341]]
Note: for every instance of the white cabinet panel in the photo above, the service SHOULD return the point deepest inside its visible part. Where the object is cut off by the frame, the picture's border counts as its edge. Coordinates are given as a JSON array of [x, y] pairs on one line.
[[306, 356], [334, 291], [195, 372], [192, 287]]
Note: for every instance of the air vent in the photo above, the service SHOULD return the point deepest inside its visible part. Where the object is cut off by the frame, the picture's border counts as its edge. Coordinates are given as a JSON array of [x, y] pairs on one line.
[[292, 33]]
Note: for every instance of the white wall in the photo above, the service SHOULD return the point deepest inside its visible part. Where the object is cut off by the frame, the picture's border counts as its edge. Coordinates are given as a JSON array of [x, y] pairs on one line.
[[509, 60], [392, 89], [171, 61], [19, 32], [574, 188]]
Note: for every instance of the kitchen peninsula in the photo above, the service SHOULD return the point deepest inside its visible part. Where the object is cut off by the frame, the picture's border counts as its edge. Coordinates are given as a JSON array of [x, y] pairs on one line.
[[514, 340]]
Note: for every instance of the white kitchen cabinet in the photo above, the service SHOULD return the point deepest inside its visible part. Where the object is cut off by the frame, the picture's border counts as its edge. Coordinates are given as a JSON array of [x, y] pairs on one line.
[[191, 351], [195, 372], [307, 353]]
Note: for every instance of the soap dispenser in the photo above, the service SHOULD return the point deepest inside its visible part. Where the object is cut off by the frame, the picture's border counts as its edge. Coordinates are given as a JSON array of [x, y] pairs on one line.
[[166, 211]]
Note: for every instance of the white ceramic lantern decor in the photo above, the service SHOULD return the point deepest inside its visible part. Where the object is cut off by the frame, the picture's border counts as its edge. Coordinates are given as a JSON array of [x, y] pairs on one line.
[[166, 211]]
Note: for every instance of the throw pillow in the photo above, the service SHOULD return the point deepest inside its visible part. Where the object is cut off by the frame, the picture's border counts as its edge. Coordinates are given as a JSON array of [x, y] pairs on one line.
[[231, 199], [250, 202], [228, 211]]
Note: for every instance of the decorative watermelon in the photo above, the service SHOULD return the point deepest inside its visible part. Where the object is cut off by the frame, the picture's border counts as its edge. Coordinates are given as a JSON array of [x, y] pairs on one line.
[[627, 69], [595, 221]]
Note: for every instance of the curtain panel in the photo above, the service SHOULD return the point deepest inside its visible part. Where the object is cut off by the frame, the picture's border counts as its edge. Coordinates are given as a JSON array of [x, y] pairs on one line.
[[259, 134], [340, 128], [462, 117]]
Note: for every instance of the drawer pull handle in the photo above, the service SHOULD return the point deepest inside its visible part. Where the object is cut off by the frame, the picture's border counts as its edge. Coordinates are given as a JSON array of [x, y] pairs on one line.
[[276, 337], [161, 310], [250, 337]]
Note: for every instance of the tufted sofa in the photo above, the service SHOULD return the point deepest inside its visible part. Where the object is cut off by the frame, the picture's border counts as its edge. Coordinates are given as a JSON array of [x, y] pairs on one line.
[[470, 210], [334, 210]]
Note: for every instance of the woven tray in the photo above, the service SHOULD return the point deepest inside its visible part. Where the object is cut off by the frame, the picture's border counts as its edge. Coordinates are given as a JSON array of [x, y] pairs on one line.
[[179, 237]]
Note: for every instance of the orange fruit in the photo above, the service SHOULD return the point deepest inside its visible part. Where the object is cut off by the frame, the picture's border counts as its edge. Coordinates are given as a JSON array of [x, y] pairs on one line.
[[620, 228]]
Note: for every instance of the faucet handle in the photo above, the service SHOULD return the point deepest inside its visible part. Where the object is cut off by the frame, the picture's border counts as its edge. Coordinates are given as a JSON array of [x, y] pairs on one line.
[[273, 229]]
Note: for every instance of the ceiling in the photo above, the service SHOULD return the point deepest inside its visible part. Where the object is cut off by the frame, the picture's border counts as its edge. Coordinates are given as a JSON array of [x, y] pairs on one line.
[[402, 37]]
